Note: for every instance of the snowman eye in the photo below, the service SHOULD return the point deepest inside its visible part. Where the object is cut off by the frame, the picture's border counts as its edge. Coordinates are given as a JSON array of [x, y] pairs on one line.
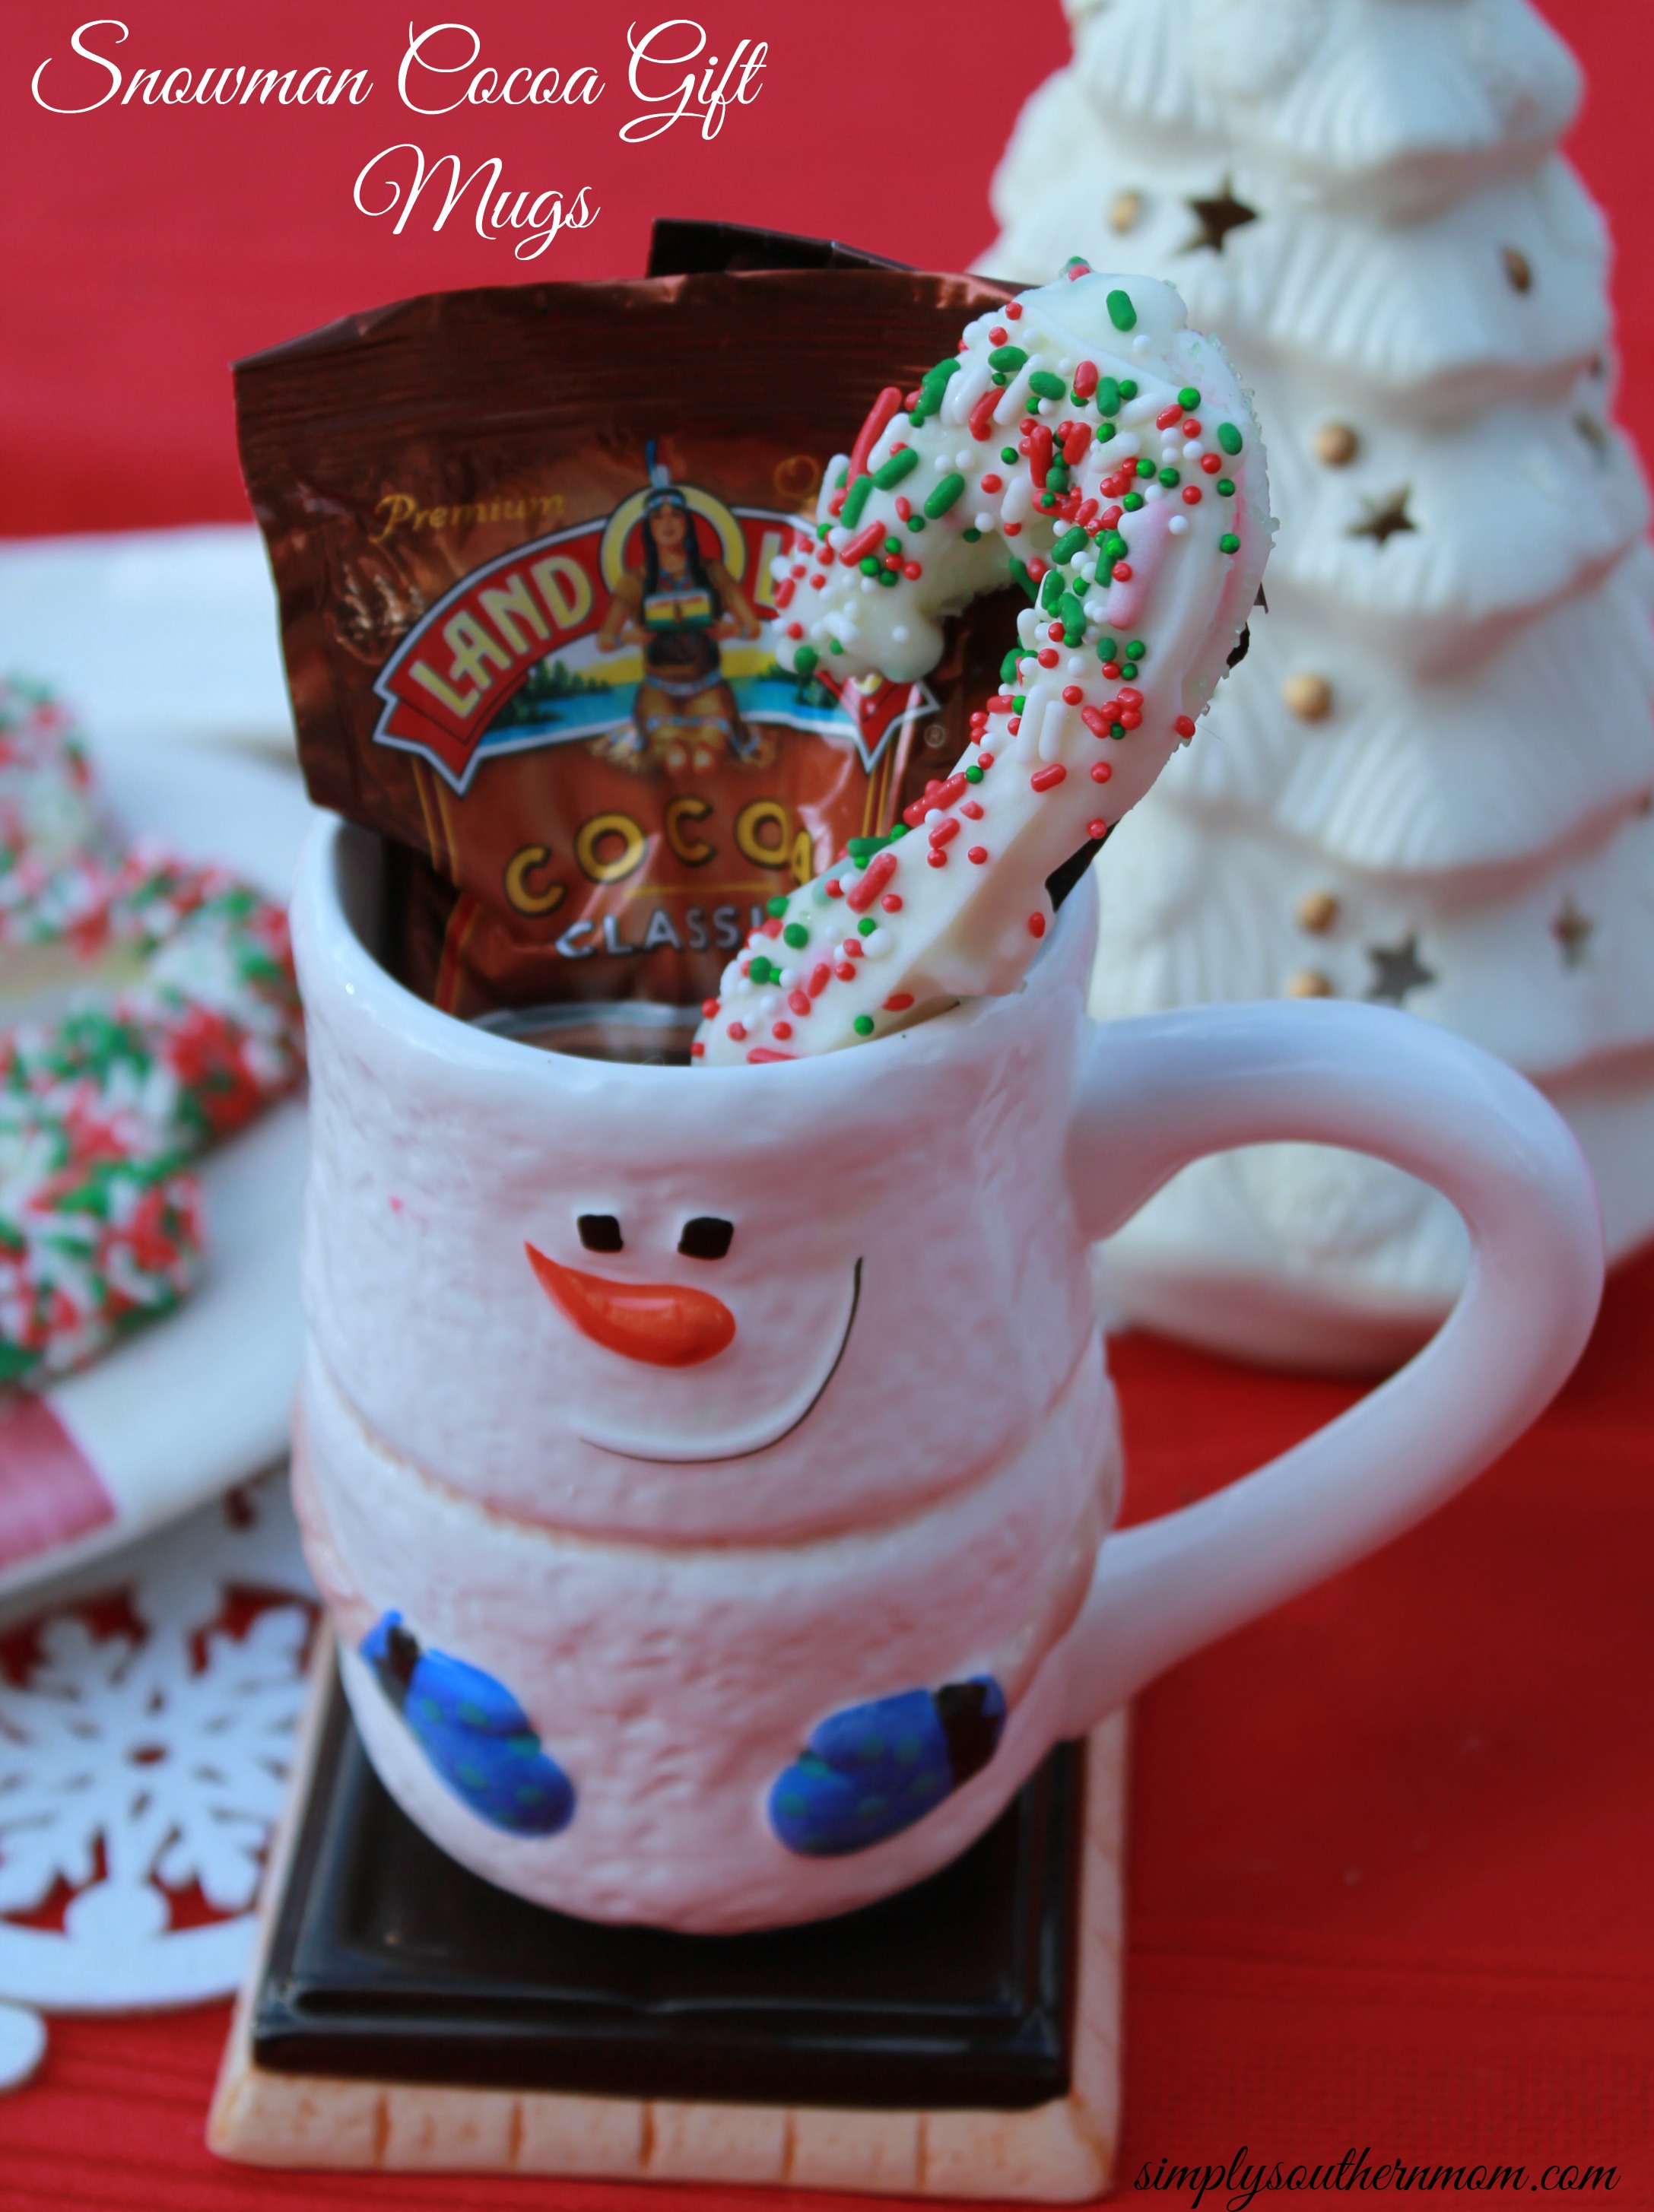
[[706, 1238], [600, 1232]]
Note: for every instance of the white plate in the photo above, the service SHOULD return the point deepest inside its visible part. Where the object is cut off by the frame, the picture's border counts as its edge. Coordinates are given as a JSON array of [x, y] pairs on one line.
[[158, 637], [198, 1401]]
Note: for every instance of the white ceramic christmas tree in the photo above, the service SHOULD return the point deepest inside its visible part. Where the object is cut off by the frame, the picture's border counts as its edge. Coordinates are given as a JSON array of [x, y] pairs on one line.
[[1432, 782]]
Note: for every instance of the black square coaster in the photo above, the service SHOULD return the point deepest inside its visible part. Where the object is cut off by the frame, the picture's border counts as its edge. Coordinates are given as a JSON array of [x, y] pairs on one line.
[[389, 1962]]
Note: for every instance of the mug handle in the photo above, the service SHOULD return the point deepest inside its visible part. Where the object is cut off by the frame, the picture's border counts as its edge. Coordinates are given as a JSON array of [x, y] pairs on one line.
[[1156, 1091]]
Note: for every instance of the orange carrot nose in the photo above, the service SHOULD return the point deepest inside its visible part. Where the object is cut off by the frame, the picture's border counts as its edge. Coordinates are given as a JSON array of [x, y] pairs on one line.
[[668, 1324]]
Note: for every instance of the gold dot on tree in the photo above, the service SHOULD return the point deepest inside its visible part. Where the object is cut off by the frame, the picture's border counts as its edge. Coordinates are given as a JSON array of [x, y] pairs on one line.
[[1573, 933], [1309, 983], [1518, 268], [1125, 211], [1317, 911], [1336, 444], [1310, 697]]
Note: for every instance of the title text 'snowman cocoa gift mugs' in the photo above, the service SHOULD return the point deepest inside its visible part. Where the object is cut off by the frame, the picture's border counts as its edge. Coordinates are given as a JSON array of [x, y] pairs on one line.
[[710, 1470]]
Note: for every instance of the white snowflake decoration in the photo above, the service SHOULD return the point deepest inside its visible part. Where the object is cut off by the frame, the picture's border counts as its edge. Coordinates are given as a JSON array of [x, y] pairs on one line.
[[133, 1765]]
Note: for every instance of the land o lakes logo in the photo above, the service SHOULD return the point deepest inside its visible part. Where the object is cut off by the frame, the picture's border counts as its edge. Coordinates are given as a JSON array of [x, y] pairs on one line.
[[640, 635]]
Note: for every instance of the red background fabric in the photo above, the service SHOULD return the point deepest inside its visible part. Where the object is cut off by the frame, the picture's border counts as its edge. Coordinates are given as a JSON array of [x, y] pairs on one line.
[[143, 249], [1390, 1847]]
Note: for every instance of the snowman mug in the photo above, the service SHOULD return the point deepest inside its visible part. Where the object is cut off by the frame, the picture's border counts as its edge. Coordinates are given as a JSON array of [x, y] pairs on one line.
[[710, 1471]]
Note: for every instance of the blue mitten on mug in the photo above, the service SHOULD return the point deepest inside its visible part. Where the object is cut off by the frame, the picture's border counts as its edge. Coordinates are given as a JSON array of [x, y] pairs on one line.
[[874, 1769], [473, 1732]]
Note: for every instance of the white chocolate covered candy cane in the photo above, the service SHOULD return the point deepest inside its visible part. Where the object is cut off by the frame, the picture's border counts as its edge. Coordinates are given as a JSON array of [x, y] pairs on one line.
[[1085, 443]]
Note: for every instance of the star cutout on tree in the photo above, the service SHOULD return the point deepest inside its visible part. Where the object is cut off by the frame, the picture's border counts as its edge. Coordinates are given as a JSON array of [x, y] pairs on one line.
[[1573, 931], [1217, 218], [1397, 969], [1384, 518]]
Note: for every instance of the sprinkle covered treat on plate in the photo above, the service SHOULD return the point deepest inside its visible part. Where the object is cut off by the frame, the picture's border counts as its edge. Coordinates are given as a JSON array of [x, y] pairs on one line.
[[56, 852], [166, 1019], [1084, 443], [102, 1109]]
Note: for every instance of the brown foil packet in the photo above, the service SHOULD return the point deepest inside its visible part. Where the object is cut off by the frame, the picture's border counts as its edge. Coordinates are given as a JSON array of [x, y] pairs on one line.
[[523, 541]]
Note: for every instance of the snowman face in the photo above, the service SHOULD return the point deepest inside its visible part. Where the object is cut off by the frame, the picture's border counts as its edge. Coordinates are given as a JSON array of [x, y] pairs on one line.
[[543, 1326], [692, 1307], [675, 1324]]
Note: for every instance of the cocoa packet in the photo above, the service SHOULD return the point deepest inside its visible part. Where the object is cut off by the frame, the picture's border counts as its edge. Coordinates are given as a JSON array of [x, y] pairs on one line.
[[524, 542]]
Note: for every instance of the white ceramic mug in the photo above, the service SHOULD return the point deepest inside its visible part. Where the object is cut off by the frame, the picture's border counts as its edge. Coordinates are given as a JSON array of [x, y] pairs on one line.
[[708, 1470]]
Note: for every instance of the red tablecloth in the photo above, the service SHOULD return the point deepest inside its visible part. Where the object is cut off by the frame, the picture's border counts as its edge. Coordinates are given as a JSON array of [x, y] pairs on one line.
[[1390, 1848]]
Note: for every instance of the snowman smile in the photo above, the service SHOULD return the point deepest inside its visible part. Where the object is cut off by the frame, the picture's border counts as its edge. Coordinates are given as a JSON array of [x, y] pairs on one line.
[[670, 1325]]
